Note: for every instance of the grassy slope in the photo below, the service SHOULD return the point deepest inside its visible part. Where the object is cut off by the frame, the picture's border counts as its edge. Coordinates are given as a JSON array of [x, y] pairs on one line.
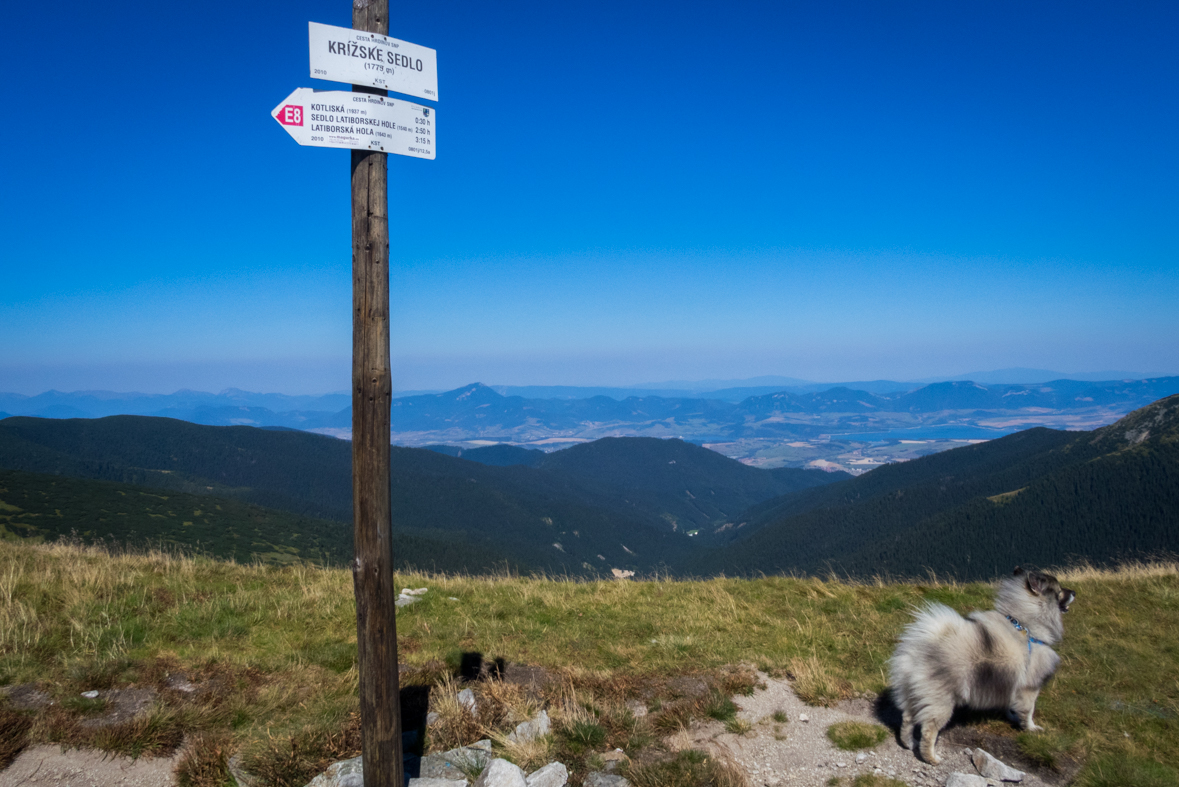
[[67, 616]]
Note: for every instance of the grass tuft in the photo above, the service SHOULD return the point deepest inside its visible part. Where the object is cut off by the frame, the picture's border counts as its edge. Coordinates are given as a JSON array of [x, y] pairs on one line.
[[1123, 770], [205, 761], [817, 682], [690, 768], [853, 735], [866, 780], [14, 733]]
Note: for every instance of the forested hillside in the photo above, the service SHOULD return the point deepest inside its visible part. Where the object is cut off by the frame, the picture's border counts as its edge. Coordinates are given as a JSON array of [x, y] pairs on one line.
[[583, 517], [42, 507], [1035, 496]]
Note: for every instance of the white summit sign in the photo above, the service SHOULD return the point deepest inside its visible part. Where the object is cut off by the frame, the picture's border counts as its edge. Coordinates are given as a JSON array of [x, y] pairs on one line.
[[341, 54], [360, 121]]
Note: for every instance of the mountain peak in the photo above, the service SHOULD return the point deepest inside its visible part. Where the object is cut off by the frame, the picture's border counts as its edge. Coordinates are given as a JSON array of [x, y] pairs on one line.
[[1157, 421]]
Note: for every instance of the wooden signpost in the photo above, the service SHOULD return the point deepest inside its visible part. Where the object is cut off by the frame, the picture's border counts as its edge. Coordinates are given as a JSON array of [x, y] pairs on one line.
[[366, 57]]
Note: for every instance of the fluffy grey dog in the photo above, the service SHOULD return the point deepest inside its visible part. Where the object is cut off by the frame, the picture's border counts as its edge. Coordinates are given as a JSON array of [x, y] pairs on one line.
[[990, 660]]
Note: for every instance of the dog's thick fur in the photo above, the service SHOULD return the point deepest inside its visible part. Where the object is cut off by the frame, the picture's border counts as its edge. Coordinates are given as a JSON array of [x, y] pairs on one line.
[[982, 661]]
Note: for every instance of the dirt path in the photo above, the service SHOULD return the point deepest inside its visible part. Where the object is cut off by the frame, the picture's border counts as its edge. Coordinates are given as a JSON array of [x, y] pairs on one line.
[[798, 753], [49, 766]]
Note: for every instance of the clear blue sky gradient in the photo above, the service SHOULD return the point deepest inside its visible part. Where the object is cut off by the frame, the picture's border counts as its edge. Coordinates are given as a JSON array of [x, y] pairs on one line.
[[624, 192]]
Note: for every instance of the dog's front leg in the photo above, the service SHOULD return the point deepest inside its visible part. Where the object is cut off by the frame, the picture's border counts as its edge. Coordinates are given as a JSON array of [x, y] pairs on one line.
[[1025, 706]]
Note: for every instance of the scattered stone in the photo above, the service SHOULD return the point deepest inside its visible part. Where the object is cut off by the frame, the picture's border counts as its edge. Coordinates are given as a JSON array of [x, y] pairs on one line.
[[861, 758], [636, 708], [621, 573], [405, 601], [457, 763], [180, 683], [994, 769], [501, 773], [466, 698], [552, 775], [346, 773], [841, 765], [530, 730], [90, 694], [958, 779], [432, 718], [452, 598], [803, 717], [433, 782], [25, 696], [418, 592], [599, 779], [122, 705], [436, 766]]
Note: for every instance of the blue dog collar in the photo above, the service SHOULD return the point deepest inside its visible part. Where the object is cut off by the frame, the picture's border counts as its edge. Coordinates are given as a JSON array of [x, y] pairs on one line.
[[1031, 639]]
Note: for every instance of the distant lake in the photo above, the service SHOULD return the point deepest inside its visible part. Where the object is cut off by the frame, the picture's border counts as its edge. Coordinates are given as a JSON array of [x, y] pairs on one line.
[[929, 433]]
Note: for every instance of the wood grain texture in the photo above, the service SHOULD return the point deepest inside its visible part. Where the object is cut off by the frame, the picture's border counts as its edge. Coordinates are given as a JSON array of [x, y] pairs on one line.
[[372, 393]]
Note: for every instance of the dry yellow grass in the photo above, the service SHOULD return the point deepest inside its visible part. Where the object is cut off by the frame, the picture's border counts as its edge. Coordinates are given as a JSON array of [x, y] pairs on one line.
[[285, 637]]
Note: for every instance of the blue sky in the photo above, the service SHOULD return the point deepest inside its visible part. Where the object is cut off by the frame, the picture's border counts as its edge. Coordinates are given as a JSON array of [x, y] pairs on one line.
[[623, 193]]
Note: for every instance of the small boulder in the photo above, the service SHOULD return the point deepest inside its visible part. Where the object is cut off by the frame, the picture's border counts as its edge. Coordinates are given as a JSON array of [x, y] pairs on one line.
[[501, 773], [346, 773], [552, 775], [432, 782], [992, 768], [529, 730], [965, 780], [599, 779], [466, 698]]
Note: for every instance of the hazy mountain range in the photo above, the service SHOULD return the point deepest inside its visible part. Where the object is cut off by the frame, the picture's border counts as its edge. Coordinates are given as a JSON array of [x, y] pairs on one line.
[[479, 412]]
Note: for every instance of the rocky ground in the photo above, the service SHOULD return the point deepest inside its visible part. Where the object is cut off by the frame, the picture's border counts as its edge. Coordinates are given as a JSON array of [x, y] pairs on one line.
[[772, 752], [798, 752]]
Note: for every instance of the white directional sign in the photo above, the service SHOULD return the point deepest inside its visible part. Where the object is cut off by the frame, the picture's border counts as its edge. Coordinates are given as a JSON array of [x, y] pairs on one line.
[[362, 121], [342, 54]]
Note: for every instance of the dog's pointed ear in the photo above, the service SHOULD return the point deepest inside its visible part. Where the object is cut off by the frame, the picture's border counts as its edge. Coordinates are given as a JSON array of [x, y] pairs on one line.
[[1037, 583], [1018, 571]]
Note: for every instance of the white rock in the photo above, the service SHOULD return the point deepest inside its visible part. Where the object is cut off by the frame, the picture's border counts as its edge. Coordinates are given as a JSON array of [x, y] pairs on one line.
[[528, 730], [965, 780], [803, 717], [418, 592], [636, 708], [466, 698], [861, 758], [552, 775], [431, 782], [431, 718], [346, 773], [90, 694], [484, 745], [599, 779], [405, 601], [994, 769], [501, 773]]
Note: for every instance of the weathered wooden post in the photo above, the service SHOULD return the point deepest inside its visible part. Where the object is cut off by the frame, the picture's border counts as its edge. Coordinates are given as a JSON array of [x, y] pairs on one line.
[[372, 393], [370, 124]]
